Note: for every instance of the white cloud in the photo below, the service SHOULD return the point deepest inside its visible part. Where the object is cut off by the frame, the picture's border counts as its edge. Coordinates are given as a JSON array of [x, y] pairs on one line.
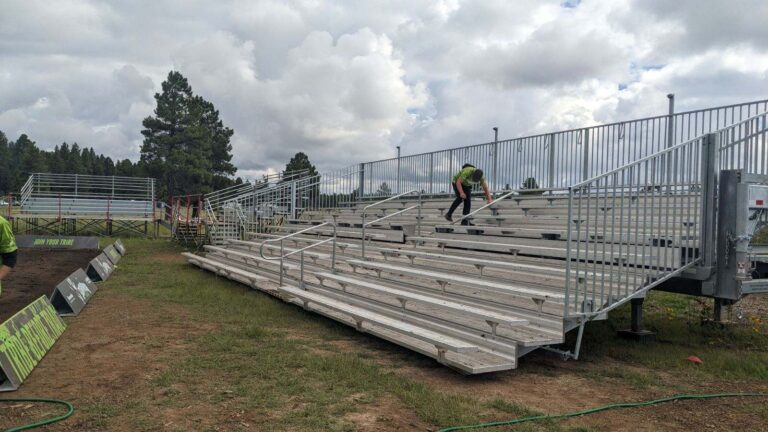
[[347, 82]]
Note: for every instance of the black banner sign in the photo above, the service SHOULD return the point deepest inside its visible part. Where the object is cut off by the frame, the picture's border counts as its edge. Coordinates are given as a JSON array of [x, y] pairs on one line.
[[70, 295], [100, 268], [55, 242]]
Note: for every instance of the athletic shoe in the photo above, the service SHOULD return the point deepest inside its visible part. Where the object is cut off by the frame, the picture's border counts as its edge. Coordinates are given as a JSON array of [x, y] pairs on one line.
[[448, 218]]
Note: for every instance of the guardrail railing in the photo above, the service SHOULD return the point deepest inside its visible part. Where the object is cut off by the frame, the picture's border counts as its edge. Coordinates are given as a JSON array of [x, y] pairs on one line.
[[636, 226], [284, 255], [364, 224]]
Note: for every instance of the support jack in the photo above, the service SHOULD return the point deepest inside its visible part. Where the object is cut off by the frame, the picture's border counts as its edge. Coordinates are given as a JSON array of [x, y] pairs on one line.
[[636, 331]]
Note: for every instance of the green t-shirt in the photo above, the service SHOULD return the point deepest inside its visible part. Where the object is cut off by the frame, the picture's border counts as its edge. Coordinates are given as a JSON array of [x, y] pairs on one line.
[[7, 240], [466, 177]]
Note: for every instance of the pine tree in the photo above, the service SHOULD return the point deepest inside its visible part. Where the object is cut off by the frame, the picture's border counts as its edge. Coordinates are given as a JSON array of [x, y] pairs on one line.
[[186, 146], [300, 163], [5, 165]]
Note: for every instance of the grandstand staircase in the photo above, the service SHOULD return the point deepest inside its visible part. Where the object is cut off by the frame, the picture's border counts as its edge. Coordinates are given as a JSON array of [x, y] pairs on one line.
[[475, 302], [535, 265]]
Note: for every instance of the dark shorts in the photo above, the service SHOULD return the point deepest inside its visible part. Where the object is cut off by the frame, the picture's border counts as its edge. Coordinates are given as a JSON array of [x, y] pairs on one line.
[[9, 259]]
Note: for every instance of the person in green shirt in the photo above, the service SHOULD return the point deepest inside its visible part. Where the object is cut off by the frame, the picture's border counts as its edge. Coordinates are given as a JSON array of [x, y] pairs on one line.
[[7, 250], [462, 187]]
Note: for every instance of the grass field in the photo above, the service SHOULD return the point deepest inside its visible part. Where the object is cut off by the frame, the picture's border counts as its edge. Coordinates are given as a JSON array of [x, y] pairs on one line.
[[166, 346]]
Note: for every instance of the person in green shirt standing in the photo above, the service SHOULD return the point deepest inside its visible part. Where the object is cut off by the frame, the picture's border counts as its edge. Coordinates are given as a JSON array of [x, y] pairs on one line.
[[462, 187], [7, 250]]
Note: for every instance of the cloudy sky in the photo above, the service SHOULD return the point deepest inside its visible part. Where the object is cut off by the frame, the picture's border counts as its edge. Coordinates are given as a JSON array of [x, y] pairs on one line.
[[348, 81]]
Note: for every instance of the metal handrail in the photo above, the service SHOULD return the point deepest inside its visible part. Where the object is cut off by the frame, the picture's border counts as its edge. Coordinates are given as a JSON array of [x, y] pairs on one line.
[[283, 255], [365, 209], [662, 152], [505, 196], [468, 215]]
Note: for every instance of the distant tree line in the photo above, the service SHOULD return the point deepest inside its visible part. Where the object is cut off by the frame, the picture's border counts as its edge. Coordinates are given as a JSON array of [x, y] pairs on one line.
[[20, 158], [186, 148]]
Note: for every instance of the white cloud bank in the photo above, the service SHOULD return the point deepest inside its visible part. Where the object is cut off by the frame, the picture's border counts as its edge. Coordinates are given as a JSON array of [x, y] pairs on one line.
[[347, 81]]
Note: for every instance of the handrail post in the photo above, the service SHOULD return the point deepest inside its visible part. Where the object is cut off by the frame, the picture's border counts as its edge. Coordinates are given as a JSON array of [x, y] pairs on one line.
[[282, 258], [551, 165], [362, 234], [585, 160], [418, 217], [301, 271], [333, 251], [568, 253]]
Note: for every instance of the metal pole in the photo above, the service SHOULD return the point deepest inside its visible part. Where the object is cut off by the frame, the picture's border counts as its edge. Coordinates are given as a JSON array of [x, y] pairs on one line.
[[282, 258], [333, 251], [670, 139], [362, 182], [495, 182], [670, 120], [398, 169], [585, 165], [301, 256], [362, 236], [418, 216], [551, 168], [709, 166], [293, 200], [431, 171]]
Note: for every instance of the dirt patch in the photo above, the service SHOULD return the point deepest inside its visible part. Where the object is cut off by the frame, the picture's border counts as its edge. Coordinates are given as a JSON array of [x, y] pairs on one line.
[[168, 258], [37, 273], [106, 361], [383, 414]]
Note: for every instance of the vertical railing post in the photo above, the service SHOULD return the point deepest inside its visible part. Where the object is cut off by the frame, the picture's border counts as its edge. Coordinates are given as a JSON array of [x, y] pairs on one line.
[[301, 271], [189, 202], [418, 217], [362, 235], [495, 182], [569, 254], [585, 162], [670, 141], [333, 251], [398, 170], [293, 200], [282, 258], [551, 164], [431, 171], [361, 188], [709, 178]]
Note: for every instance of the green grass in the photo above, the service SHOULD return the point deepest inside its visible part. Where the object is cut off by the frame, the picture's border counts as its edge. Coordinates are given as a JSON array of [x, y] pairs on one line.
[[731, 352]]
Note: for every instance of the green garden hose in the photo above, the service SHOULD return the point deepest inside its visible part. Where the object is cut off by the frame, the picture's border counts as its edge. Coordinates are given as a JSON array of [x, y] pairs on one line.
[[51, 420], [598, 409]]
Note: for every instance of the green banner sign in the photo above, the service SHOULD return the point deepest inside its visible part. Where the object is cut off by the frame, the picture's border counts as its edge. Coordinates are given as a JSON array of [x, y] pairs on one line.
[[25, 338], [112, 253]]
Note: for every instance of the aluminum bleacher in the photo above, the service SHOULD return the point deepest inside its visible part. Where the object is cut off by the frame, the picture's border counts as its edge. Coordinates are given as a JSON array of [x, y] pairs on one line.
[[74, 204], [619, 210]]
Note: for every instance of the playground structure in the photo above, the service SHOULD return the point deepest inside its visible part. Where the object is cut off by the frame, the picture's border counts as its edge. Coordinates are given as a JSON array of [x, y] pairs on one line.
[[669, 202], [76, 204]]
